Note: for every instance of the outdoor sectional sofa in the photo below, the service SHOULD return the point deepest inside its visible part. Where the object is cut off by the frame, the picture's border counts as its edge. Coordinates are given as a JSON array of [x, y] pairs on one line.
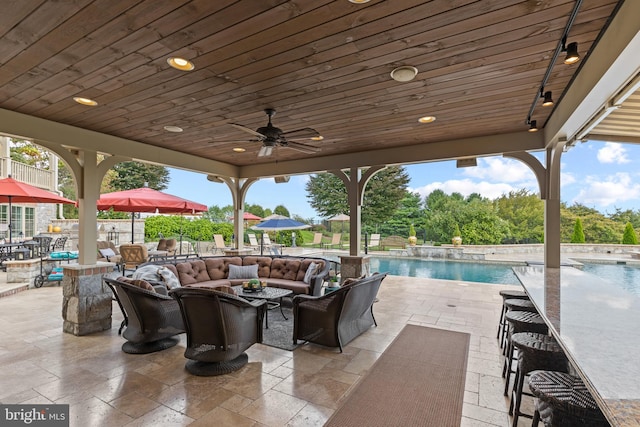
[[278, 271]]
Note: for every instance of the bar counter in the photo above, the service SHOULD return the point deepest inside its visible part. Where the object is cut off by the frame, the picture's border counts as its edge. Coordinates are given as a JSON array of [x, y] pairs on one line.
[[598, 325]]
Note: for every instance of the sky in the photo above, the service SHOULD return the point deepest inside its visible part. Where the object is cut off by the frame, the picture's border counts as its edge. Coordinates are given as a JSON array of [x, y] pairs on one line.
[[600, 175]]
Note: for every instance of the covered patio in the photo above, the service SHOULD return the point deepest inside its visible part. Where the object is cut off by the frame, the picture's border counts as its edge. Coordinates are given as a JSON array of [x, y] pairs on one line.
[[186, 84]]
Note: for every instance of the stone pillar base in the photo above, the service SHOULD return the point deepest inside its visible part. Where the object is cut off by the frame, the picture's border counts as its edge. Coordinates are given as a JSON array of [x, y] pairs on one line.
[[353, 266], [87, 300]]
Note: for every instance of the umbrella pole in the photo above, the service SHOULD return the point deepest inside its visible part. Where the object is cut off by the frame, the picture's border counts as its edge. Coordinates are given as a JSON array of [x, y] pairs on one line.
[[133, 217], [180, 234], [9, 227], [261, 242]]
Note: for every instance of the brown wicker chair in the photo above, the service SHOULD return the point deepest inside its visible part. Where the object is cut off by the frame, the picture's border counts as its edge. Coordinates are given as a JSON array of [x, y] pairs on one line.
[[132, 255], [338, 317], [220, 327], [168, 245], [151, 319]]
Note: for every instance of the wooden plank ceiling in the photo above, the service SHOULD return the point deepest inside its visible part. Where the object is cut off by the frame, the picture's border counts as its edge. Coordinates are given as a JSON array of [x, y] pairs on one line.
[[320, 63]]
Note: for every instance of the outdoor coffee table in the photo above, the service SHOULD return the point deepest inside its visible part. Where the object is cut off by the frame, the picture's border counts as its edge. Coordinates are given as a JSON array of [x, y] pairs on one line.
[[272, 295]]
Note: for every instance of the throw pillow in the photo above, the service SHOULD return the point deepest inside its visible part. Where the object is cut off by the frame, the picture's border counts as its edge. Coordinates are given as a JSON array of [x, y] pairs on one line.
[[311, 270], [107, 252], [243, 272], [169, 278]]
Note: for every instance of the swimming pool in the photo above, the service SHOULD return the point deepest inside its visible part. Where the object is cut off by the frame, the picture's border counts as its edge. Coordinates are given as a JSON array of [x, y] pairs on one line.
[[447, 270], [625, 276]]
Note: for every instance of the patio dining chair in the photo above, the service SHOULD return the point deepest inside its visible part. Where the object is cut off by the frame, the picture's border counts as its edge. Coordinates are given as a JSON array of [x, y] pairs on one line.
[[58, 244]]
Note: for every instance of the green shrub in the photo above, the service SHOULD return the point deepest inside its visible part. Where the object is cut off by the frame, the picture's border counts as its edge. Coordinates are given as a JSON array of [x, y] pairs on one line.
[[412, 231], [629, 237], [578, 232]]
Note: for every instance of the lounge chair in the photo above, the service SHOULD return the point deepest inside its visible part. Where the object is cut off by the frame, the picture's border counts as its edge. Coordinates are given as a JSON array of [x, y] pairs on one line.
[[336, 318], [218, 240], [220, 327], [336, 240], [317, 240], [374, 241], [151, 318], [253, 241], [167, 245]]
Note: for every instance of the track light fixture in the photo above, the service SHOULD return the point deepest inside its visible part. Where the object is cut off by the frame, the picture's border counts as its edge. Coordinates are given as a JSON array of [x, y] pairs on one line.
[[548, 99], [572, 52], [533, 126]]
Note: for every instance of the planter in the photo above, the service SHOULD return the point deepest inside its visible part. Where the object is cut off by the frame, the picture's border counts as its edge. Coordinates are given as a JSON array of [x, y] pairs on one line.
[[413, 240], [457, 241]]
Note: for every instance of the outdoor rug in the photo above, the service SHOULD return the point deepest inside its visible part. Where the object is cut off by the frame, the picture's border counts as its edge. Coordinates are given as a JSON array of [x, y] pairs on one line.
[[417, 381], [280, 332]]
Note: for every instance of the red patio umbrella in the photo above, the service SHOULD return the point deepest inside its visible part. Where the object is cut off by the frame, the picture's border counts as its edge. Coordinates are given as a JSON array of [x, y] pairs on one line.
[[248, 216], [12, 191], [147, 200]]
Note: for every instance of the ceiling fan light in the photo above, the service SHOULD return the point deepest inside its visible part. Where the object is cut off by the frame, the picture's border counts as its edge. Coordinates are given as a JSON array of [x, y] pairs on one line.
[[404, 74], [265, 151], [572, 54], [317, 138]]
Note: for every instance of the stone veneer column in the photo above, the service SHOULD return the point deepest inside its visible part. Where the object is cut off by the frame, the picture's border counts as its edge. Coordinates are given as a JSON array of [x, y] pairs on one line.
[[87, 300], [353, 266]]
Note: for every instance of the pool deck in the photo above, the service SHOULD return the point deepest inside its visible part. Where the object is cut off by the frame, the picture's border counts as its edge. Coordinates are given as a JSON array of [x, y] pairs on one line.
[[104, 386]]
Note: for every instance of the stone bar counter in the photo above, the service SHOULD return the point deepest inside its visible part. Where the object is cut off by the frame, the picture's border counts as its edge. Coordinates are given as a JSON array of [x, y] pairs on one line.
[[598, 325]]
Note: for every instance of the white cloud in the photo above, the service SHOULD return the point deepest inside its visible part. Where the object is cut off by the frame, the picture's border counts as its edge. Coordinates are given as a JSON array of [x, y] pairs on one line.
[[466, 187], [501, 169], [613, 153], [610, 191]]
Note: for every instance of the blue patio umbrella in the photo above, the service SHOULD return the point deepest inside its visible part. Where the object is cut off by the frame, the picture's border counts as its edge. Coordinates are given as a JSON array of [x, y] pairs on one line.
[[277, 224]]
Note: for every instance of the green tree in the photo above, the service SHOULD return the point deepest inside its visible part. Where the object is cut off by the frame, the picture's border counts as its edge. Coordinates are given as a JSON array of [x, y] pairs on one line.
[[130, 175], [597, 228], [629, 237], [524, 213], [281, 210], [254, 209], [578, 233], [382, 195], [409, 212], [625, 216], [218, 214]]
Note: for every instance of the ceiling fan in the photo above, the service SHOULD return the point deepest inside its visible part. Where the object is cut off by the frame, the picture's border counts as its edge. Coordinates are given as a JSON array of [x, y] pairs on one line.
[[271, 136]]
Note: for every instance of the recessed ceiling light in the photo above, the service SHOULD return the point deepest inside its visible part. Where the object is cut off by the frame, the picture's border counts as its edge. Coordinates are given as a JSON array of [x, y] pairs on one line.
[[427, 119], [173, 129], [404, 73], [180, 63], [359, 1], [85, 101], [239, 149], [317, 138]]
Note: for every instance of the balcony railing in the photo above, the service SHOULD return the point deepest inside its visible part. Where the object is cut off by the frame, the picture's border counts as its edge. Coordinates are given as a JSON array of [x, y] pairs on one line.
[[26, 173]]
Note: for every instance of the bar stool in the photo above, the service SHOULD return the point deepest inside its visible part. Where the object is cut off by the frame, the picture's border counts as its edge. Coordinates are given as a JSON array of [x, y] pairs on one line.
[[535, 352], [519, 321], [563, 400], [514, 304], [507, 294]]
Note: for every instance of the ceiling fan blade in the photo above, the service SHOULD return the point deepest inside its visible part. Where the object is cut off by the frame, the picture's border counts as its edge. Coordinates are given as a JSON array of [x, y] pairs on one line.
[[232, 141], [308, 149], [248, 130], [303, 133]]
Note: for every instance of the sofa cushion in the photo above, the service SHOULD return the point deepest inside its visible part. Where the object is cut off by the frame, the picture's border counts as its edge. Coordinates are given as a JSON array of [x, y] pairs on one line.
[[218, 285], [191, 272], [243, 271], [284, 269], [218, 267], [141, 283], [296, 287], [168, 277], [264, 264], [311, 270], [304, 266]]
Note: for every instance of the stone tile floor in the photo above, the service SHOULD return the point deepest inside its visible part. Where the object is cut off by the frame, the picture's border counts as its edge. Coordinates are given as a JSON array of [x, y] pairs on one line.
[[106, 387]]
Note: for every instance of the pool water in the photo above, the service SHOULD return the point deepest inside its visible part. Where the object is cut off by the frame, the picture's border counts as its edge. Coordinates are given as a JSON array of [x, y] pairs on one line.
[[625, 276], [447, 270]]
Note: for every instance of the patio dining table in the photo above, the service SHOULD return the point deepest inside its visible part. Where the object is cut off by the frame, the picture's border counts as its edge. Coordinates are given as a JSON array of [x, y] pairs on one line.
[[596, 323]]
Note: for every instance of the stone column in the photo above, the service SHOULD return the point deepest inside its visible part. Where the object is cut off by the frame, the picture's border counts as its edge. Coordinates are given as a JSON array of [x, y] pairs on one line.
[[353, 266], [87, 300]]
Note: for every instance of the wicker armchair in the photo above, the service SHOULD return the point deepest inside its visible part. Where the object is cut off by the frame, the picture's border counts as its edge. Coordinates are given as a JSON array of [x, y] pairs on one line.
[[220, 327], [168, 245], [338, 317], [151, 319]]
